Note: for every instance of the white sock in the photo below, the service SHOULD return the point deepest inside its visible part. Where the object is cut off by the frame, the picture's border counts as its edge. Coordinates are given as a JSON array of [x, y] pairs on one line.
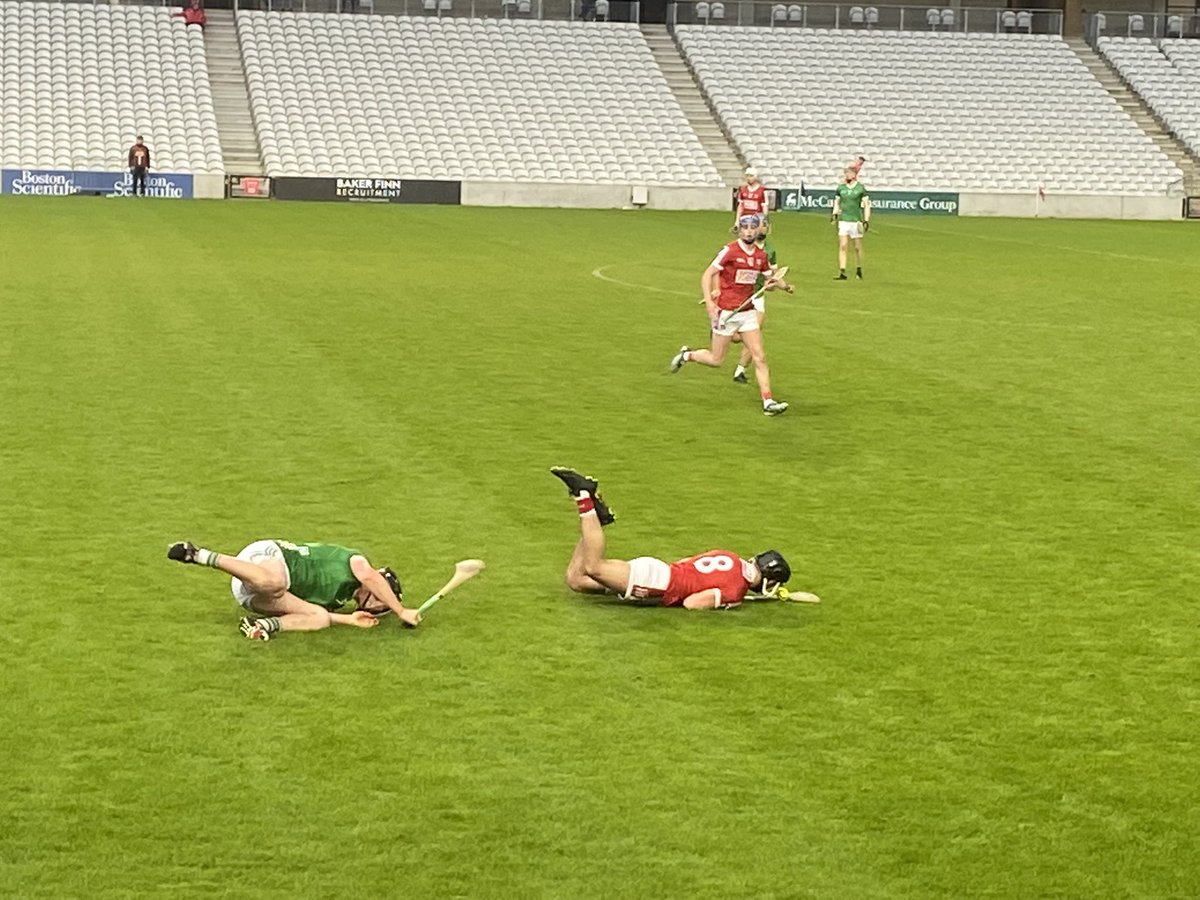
[[740, 370], [206, 557]]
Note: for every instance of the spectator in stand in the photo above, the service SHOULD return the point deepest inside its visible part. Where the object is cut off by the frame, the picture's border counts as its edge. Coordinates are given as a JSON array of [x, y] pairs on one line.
[[139, 163], [587, 10], [193, 13]]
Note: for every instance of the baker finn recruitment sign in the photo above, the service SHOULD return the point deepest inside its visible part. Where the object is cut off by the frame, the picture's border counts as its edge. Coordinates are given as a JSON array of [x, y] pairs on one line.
[[368, 190]]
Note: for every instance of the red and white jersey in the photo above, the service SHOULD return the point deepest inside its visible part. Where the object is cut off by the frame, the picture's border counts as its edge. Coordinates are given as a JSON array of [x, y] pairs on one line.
[[752, 199], [739, 266], [720, 569]]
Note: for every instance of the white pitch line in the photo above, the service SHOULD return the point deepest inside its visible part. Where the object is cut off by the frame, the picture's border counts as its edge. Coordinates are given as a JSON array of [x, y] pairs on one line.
[[599, 273]]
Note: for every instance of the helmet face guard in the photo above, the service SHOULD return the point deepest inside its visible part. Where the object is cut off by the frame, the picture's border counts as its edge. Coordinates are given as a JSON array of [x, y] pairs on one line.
[[373, 606], [775, 571], [393, 582]]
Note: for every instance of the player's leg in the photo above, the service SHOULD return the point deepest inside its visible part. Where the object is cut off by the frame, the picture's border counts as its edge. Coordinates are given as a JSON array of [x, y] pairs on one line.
[[285, 612], [612, 574], [858, 254], [713, 356], [593, 516], [739, 374], [259, 567], [578, 579], [843, 240], [754, 341]]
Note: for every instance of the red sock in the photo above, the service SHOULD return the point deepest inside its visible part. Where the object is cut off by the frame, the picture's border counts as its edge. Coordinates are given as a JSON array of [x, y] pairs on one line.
[[585, 503]]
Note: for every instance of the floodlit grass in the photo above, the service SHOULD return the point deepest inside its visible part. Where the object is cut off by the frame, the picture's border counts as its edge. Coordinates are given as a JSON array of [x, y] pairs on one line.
[[988, 472]]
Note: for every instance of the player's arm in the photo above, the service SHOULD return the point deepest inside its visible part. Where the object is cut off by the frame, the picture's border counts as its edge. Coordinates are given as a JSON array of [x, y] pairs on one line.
[[707, 599], [358, 619], [380, 590], [837, 208], [866, 209]]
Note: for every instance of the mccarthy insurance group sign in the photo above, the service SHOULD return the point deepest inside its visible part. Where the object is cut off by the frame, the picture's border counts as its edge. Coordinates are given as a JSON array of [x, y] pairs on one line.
[[910, 203]]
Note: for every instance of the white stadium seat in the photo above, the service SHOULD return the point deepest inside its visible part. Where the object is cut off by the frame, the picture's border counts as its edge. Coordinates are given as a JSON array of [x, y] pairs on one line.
[[447, 97], [1166, 74], [932, 110], [80, 82]]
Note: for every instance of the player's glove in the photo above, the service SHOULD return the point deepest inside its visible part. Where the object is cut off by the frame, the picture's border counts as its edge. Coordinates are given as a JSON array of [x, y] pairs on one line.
[[866, 227]]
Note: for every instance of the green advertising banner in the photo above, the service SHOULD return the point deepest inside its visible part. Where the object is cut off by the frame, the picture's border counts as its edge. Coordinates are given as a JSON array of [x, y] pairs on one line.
[[906, 203]]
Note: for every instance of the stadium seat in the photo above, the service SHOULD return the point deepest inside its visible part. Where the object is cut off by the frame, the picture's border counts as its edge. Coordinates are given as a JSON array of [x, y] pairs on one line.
[[1008, 19], [602, 10], [779, 13], [933, 17], [1166, 74], [1136, 24], [1025, 20], [717, 11], [947, 18], [77, 83], [795, 13], [933, 110], [450, 97], [857, 16]]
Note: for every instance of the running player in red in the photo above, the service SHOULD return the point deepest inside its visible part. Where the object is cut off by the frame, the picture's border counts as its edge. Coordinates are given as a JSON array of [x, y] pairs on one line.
[[718, 579], [751, 197], [728, 286]]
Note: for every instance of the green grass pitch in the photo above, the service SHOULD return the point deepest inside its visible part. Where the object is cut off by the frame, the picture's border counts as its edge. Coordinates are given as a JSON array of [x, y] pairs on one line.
[[988, 472]]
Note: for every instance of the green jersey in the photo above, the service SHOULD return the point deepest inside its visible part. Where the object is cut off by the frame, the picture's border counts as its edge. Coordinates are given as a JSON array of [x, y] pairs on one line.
[[851, 197], [769, 249], [320, 573]]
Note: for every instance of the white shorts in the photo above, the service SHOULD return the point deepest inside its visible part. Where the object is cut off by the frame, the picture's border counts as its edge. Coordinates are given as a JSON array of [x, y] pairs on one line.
[[759, 305], [256, 553], [648, 577], [850, 229], [736, 323]]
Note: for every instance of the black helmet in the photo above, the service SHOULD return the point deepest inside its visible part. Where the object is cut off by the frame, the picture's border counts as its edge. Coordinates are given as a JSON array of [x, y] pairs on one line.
[[394, 583], [774, 568], [375, 607]]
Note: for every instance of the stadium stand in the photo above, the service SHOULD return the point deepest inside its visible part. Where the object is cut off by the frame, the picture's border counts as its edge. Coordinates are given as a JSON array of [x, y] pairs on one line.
[[1166, 74], [459, 98], [930, 110], [79, 81]]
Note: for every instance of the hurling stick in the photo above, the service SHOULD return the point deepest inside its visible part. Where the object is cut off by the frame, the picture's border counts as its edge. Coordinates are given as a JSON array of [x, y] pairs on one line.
[[463, 571]]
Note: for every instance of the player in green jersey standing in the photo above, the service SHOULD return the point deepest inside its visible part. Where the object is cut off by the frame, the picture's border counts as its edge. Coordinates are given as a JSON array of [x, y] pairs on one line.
[[852, 212], [300, 587], [760, 302]]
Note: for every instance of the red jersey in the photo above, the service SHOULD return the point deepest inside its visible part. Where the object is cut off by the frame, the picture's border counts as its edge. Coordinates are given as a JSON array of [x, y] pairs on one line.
[[752, 199], [740, 266], [720, 569]]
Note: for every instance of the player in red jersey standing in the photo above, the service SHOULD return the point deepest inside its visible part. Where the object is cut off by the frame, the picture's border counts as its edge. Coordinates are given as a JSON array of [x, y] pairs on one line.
[[717, 579], [751, 197], [728, 286]]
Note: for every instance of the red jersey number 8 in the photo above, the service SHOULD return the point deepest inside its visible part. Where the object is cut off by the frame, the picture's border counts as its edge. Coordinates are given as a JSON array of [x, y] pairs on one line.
[[708, 564]]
